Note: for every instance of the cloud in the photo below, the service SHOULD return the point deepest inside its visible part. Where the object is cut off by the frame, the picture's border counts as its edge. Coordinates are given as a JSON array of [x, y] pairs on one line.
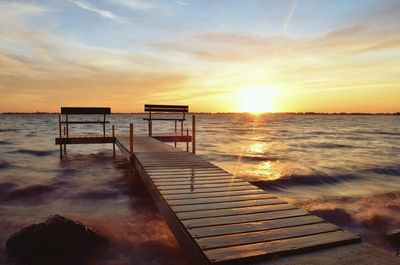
[[103, 13], [136, 4], [180, 2], [289, 16]]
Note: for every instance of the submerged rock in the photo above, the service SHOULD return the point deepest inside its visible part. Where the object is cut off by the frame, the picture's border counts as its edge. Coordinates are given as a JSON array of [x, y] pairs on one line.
[[394, 237], [56, 238]]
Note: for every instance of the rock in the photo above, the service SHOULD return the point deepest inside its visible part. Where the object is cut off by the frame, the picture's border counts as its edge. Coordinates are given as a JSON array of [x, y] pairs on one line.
[[394, 237], [56, 238]]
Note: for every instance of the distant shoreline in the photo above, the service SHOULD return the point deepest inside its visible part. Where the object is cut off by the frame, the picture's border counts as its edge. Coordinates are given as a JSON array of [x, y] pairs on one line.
[[231, 113]]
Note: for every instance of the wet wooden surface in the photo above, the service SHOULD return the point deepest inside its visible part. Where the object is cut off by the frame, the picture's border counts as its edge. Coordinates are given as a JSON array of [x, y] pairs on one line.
[[223, 219]]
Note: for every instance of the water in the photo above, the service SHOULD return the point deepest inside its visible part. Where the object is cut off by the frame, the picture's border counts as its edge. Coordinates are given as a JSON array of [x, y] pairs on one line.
[[343, 168]]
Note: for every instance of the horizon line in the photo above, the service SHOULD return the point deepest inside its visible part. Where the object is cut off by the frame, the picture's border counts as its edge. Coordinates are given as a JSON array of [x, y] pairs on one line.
[[221, 112]]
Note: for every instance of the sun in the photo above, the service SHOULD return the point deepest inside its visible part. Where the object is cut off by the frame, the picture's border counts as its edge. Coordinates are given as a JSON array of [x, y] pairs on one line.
[[257, 100]]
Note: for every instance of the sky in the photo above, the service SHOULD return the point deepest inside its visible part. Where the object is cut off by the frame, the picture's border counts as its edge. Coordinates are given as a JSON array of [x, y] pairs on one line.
[[214, 55]]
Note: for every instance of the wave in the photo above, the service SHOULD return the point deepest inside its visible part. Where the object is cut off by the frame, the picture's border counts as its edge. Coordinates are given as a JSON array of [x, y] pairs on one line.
[[307, 180], [329, 145], [97, 195], [9, 130], [39, 153], [5, 143], [387, 133], [7, 186], [4, 165], [31, 193], [245, 158], [390, 170]]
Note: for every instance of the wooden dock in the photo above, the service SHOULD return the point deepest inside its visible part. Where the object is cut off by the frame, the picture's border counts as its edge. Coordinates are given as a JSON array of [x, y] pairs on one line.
[[220, 219], [216, 217]]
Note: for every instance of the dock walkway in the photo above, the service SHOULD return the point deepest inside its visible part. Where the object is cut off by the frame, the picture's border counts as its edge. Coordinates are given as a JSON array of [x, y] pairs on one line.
[[220, 219]]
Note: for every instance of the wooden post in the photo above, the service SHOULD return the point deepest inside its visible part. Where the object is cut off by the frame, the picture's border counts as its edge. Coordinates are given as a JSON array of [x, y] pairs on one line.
[[187, 141], [175, 129], [66, 120], [193, 134], [65, 145], [150, 128], [181, 127], [104, 125], [131, 175], [113, 135], [60, 133]]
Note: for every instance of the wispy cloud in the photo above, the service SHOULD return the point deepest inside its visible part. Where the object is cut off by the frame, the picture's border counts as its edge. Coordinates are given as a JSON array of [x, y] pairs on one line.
[[180, 2], [103, 13], [136, 4], [289, 16]]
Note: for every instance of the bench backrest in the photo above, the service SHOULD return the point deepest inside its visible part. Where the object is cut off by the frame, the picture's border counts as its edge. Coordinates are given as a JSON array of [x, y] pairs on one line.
[[85, 110], [166, 108]]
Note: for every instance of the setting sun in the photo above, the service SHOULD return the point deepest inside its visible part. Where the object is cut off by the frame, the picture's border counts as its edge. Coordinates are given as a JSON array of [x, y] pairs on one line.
[[258, 100]]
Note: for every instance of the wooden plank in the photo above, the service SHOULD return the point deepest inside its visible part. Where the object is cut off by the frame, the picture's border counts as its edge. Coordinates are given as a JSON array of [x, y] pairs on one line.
[[187, 171], [179, 162], [253, 226], [171, 139], [170, 159], [234, 211], [85, 110], [176, 165], [205, 190], [166, 108], [161, 154], [164, 119], [242, 218], [219, 199], [265, 235], [184, 170], [286, 246], [179, 165], [200, 175], [176, 156], [197, 186], [192, 196], [85, 140], [190, 181], [189, 174], [85, 122], [225, 205]]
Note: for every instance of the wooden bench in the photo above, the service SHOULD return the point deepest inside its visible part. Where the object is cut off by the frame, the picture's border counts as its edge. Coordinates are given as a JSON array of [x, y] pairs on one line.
[[64, 137], [181, 110]]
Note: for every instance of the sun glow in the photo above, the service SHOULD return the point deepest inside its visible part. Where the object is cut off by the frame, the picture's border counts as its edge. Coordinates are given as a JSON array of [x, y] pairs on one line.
[[258, 100]]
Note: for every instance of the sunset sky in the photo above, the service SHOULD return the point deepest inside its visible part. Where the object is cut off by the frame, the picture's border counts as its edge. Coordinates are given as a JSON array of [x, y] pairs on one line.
[[214, 55]]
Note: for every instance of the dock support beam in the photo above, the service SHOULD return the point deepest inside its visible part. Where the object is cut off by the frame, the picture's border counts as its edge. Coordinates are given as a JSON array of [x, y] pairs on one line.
[[59, 130], [187, 142], [104, 125], [113, 135], [193, 134], [175, 131], [150, 128], [131, 163]]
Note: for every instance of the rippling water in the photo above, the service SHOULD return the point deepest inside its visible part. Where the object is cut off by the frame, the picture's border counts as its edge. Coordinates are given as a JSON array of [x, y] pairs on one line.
[[341, 167]]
